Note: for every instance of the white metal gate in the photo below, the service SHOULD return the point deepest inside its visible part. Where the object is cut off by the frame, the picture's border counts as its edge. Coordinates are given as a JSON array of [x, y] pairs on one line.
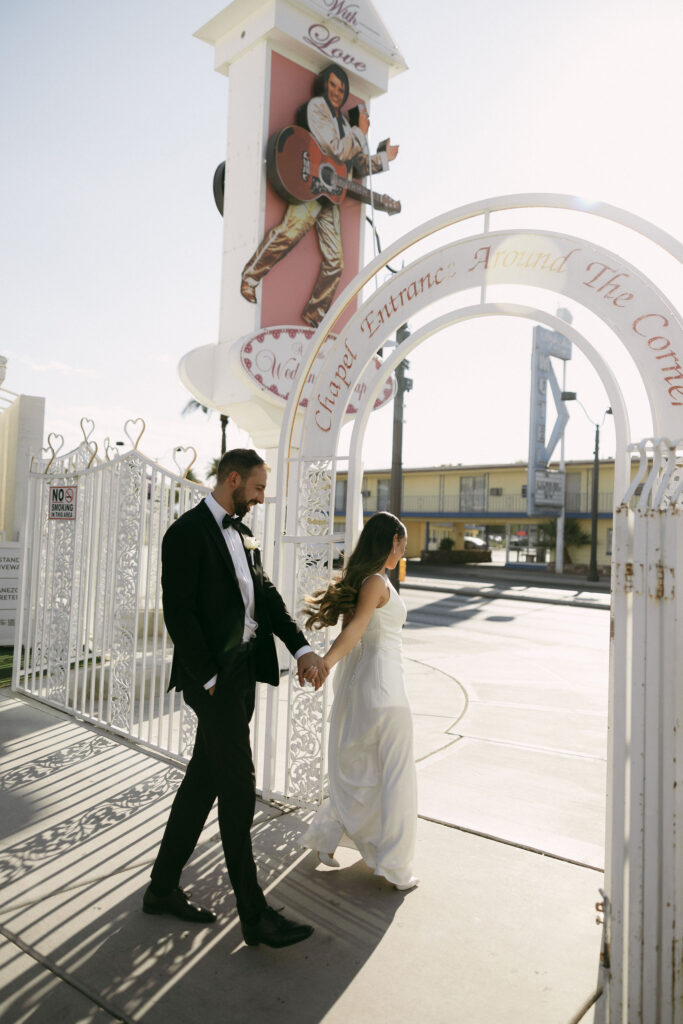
[[643, 947], [90, 634]]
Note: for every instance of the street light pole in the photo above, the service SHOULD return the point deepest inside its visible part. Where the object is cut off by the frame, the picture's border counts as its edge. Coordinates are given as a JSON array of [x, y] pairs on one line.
[[395, 486], [593, 576], [403, 384], [559, 523]]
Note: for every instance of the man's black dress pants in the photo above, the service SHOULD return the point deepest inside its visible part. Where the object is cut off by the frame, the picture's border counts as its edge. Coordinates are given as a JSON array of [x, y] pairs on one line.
[[221, 767]]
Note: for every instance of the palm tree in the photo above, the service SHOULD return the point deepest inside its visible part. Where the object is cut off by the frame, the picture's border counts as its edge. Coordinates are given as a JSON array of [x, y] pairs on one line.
[[212, 469], [574, 535], [193, 405]]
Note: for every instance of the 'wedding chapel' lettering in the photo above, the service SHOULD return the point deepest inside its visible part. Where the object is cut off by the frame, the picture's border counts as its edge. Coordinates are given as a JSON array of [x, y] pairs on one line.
[[340, 380]]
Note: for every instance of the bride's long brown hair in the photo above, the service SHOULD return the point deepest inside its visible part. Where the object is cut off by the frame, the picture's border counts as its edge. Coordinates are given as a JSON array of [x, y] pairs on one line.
[[369, 556]]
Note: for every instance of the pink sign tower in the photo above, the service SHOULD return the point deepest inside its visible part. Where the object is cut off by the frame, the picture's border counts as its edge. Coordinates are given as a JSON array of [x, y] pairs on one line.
[[298, 170]]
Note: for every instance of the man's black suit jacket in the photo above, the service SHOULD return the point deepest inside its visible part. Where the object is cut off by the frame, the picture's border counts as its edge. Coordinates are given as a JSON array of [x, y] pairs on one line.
[[203, 606]]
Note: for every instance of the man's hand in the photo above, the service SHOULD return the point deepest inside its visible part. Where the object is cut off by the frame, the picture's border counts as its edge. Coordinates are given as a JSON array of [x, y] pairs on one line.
[[311, 668]]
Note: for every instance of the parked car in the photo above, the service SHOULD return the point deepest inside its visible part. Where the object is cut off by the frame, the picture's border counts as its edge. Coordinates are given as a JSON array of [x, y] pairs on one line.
[[475, 543]]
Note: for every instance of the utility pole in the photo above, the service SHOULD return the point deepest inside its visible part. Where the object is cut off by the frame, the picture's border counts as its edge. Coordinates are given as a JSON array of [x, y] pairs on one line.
[[403, 384], [593, 575]]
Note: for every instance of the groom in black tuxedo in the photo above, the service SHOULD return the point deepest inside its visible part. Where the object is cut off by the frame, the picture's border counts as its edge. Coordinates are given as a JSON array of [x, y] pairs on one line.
[[221, 612]]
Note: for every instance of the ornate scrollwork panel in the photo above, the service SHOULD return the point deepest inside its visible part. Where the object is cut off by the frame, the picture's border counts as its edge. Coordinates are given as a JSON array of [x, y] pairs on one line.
[[132, 479], [308, 709], [61, 537], [315, 497]]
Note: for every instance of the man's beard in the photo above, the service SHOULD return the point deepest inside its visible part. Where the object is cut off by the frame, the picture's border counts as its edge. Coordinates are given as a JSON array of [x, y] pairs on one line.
[[239, 501]]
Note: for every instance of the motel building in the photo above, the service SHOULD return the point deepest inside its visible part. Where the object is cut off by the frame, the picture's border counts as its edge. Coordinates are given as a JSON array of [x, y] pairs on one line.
[[487, 502]]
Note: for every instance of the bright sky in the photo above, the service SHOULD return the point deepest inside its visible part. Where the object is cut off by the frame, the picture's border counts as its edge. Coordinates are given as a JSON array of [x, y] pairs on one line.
[[115, 122]]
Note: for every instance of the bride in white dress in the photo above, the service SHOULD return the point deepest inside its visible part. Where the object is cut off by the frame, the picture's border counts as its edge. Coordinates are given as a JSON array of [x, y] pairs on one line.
[[373, 787]]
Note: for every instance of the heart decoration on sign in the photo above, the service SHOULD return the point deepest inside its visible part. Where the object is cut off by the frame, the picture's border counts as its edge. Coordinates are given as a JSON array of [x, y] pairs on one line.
[[133, 424], [184, 451], [54, 447], [88, 428]]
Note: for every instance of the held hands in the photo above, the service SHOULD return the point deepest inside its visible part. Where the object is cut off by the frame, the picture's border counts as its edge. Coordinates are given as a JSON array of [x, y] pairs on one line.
[[311, 668]]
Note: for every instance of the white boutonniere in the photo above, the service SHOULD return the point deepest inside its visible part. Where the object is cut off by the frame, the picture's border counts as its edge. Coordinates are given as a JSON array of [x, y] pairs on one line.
[[251, 546]]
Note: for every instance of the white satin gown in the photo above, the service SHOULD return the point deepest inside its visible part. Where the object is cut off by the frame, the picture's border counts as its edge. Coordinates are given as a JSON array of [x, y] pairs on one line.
[[373, 784]]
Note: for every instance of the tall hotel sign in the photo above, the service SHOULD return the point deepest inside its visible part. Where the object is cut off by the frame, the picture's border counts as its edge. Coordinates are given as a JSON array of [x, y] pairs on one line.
[[545, 488]]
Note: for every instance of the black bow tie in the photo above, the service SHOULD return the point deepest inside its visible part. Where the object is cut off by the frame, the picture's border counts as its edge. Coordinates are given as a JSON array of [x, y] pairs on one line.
[[236, 524]]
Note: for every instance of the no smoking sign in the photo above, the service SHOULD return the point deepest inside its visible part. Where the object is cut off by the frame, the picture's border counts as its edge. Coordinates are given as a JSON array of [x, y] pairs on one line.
[[63, 502]]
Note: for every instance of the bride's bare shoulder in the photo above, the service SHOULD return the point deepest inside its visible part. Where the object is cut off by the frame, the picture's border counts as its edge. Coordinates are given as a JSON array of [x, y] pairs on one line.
[[376, 587]]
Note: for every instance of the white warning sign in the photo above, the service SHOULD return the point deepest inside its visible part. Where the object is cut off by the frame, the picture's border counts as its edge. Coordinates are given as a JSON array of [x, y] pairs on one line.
[[63, 502], [10, 564]]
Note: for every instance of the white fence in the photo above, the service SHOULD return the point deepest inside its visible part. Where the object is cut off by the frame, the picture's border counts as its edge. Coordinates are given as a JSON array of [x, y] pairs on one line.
[[90, 633]]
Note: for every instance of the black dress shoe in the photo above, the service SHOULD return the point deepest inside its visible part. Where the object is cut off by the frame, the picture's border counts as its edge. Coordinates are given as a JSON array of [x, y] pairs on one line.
[[177, 904], [272, 929]]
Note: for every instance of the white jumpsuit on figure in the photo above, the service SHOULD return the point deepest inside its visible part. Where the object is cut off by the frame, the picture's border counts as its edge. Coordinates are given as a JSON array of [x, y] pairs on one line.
[[373, 784]]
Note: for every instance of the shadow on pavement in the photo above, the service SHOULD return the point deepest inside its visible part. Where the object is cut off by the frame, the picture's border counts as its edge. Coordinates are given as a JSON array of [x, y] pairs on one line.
[[81, 817], [449, 610]]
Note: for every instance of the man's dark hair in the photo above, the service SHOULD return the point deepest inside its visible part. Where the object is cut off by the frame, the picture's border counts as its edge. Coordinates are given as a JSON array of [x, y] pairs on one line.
[[320, 84], [240, 460]]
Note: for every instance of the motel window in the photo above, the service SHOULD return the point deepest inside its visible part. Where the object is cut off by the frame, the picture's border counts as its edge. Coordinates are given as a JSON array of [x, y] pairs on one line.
[[473, 493], [340, 497], [572, 491], [383, 495]]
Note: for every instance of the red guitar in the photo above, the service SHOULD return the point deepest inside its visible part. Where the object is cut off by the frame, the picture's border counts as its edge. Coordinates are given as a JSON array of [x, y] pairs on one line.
[[299, 171]]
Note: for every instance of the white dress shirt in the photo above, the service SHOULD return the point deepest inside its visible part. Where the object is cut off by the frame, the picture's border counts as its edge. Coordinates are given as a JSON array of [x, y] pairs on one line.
[[233, 542]]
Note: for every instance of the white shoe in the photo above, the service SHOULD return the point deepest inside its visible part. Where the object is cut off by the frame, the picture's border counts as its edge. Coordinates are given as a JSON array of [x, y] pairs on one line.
[[328, 859], [407, 885]]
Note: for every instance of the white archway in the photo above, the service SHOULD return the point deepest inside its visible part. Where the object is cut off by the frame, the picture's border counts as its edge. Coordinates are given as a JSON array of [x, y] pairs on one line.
[[643, 945]]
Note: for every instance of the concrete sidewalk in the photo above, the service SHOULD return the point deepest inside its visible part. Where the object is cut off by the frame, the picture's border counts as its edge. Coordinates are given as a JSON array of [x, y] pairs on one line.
[[495, 933], [510, 735]]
